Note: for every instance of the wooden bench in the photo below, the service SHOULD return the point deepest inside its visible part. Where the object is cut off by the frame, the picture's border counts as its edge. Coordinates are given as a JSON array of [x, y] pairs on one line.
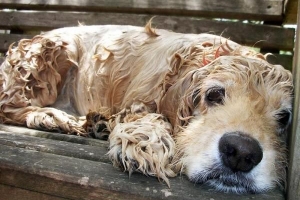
[[41, 165]]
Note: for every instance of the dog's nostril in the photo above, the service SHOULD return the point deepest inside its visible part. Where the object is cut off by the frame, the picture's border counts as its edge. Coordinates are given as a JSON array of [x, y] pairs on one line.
[[239, 152]]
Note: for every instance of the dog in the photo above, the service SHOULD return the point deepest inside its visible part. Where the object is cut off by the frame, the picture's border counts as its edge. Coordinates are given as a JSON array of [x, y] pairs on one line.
[[169, 103]]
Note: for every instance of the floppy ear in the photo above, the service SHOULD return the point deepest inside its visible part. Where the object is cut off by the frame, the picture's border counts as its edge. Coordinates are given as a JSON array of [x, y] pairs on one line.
[[182, 83], [182, 95]]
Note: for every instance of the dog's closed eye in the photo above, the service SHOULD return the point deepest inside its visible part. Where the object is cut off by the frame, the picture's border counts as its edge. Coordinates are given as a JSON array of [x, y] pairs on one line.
[[215, 96]]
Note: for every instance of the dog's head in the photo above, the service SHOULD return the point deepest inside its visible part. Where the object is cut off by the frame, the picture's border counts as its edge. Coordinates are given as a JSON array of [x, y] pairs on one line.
[[241, 108]]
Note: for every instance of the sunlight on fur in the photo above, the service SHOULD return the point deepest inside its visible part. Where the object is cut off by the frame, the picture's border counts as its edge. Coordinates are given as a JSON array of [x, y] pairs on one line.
[[169, 103]]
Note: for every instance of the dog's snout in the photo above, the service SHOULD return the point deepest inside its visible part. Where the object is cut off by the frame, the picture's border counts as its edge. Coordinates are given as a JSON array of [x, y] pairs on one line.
[[240, 152]]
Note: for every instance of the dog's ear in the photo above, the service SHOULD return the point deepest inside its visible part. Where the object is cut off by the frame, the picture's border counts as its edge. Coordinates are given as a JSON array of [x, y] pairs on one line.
[[196, 97], [182, 87], [182, 97]]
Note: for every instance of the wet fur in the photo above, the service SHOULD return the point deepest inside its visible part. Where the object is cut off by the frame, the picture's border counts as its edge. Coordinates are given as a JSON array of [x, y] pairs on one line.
[[149, 88]]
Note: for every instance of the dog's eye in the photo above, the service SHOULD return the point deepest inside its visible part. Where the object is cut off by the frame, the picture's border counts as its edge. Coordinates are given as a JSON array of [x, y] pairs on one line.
[[215, 96], [284, 118]]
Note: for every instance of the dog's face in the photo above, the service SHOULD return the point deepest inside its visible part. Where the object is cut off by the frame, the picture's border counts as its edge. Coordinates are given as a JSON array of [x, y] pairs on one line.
[[235, 142]]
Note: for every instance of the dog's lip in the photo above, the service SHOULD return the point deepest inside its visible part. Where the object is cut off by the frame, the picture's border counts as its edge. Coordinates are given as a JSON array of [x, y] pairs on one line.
[[225, 181], [230, 187]]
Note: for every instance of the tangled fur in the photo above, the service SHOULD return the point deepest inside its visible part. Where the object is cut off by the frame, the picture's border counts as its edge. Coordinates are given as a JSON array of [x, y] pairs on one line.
[[164, 99]]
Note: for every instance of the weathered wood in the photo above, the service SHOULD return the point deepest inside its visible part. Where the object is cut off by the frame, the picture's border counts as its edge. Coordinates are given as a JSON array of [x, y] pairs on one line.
[[74, 178], [1, 59], [7, 39], [294, 161], [246, 34], [13, 193], [290, 16], [52, 136], [279, 59], [66, 186], [88, 152], [241, 9]]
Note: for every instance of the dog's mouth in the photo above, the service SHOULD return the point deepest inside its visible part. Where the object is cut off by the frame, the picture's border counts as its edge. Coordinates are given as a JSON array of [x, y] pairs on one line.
[[225, 181], [234, 184]]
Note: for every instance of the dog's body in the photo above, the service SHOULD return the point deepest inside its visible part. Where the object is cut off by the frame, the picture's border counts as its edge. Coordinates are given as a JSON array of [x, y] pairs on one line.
[[197, 103]]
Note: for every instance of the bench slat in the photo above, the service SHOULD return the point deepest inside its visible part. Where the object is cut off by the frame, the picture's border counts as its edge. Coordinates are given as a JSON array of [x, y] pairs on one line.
[[52, 135], [61, 176], [88, 152], [12, 193], [238, 9], [246, 34], [7, 39]]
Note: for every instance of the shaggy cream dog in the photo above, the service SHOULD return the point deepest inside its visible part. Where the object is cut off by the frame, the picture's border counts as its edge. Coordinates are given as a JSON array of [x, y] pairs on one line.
[[198, 104]]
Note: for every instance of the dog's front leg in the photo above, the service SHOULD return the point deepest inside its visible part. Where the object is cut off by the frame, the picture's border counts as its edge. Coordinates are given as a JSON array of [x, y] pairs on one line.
[[52, 119], [144, 145]]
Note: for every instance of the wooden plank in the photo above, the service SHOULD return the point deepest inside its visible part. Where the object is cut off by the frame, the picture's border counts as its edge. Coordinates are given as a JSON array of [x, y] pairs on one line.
[[88, 152], [1, 59], [7, 39], [73, 178], [51, 135], [293, 192], [242, 9], [62, 185], [246, 34], [13, 193], [285, 60], [290, 16]]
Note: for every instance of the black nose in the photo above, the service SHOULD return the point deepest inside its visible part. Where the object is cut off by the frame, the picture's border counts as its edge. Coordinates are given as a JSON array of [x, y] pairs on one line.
[[239, 152]]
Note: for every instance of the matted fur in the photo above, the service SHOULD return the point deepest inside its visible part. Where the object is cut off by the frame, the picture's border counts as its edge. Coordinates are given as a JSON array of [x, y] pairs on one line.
[[149, 89]]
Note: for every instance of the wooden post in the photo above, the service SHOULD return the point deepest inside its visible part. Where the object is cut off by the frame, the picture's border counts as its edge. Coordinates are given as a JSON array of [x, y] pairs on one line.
[[293, 190]]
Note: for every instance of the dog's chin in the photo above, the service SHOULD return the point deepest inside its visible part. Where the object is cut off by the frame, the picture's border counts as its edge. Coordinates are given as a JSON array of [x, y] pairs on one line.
[[228, 182], [225, 186]]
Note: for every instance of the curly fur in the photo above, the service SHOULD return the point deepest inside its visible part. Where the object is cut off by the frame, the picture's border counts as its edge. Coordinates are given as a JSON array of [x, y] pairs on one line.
[[148, 89]]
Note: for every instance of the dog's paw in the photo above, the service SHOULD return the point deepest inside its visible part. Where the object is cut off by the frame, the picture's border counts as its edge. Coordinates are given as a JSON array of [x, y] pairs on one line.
[[51, 119], [41, 121], [96, 126], [130, 164], [144, 145]]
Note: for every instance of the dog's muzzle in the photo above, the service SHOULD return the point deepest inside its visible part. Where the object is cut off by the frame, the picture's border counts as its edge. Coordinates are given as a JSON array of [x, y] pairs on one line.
[[239, 152]]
